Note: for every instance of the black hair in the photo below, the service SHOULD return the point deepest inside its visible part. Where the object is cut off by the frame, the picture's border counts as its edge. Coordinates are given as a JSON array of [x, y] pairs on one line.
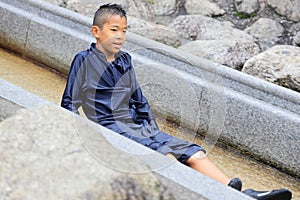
[[106, 10]]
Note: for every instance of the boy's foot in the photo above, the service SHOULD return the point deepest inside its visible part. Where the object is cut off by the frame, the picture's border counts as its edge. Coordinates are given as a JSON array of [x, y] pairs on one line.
[[235, 183], [281, 194]]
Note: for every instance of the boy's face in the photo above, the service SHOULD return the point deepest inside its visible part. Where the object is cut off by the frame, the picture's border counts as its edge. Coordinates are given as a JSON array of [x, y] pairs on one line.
[[112, 35]]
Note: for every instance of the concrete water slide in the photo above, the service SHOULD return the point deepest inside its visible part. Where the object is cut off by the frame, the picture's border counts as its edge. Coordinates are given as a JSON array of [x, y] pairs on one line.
[[223, 104]]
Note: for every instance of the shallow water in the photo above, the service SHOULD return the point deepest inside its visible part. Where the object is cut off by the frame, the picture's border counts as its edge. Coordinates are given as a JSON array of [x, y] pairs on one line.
[[50, 85]]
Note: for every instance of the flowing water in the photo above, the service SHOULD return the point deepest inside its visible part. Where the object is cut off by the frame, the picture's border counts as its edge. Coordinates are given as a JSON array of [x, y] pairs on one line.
[[50, 85]]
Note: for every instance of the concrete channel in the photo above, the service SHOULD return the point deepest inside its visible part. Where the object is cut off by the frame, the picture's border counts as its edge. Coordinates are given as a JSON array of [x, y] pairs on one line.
[[227, 104]]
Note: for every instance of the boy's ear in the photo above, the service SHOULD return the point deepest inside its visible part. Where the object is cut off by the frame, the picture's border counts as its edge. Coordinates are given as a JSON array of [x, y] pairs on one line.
[[95, 31]]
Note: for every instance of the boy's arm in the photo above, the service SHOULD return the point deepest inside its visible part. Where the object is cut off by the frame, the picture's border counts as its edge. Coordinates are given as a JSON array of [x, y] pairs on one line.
[[139, 102], [141, 105], [72, 99]]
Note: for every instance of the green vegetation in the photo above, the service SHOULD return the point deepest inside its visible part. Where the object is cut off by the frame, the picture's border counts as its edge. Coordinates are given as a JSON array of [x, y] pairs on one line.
[[244, 16], [150, 2]]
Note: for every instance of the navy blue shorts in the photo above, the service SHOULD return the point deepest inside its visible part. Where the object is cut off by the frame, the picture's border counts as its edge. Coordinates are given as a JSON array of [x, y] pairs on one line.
[[163, 143], [180, 149]]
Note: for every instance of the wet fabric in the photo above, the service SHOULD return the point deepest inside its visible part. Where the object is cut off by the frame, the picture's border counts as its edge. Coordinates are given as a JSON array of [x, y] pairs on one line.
[[109, 95]]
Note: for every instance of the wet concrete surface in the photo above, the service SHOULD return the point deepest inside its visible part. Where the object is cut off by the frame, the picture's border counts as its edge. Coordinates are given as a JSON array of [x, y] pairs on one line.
[[49, 85]]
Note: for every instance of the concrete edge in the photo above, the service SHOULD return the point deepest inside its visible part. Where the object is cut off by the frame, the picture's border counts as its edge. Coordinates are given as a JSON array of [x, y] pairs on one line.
[[21, 97]]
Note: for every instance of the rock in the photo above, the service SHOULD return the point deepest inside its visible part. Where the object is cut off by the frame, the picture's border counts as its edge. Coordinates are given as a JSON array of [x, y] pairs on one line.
[[294, 31], [206, 8], [297, 39], [199, 27], [279, 64], [247, 7], [140, 9], [232, 53], [267, 31], [163, 7], [136, 8], [43, 158], [155, 32], [287, 8]]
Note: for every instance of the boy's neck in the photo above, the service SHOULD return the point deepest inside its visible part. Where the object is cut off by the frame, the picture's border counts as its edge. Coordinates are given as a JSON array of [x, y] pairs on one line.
[[109, 57]]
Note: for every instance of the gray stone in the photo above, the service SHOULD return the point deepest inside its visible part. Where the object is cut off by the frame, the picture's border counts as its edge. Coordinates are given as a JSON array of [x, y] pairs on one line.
[[163, 7], [88, 8], [140, 9], [135, 8], [294, 29], [232, 53], [155, 32], [283, 68], [247, 7], [286, 8], [296, 40], [43, 158], [205, 7], [199, 27], [267, 31]]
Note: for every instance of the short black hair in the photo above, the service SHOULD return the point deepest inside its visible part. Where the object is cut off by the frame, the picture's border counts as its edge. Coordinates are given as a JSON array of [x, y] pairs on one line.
[[106, 10]]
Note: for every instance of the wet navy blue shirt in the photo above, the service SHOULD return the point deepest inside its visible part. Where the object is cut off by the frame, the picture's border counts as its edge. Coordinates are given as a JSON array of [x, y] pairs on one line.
[[108, 93]]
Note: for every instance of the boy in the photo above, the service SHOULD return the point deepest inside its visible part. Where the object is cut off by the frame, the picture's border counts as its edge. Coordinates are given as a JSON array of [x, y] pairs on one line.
[[102, 81]]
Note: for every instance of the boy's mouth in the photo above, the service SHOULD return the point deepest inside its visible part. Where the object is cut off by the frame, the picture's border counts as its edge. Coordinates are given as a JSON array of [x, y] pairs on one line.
[[117, 45]]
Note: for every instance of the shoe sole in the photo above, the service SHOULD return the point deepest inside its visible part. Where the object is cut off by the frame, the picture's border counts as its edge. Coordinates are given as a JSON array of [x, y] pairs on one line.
[[281, 195]]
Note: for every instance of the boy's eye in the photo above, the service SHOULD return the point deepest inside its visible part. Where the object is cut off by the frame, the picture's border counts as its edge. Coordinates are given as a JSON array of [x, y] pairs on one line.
[[114, 29]]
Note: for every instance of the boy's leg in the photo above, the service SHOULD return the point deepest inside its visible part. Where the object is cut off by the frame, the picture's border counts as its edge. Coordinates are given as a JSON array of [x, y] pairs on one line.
[[201, 163]]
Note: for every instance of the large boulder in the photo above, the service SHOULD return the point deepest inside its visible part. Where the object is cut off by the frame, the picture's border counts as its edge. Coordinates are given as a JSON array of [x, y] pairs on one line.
[[199, 27], [205, 7], [155, 32], [267, 31], [136, 8], [232, 53], [247, 7], [163, 7], [48, 153], [287, 8], [279, 64]]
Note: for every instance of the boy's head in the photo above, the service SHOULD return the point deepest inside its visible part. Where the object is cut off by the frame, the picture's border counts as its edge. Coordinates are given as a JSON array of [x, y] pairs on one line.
[[109, 28], [105, 12]]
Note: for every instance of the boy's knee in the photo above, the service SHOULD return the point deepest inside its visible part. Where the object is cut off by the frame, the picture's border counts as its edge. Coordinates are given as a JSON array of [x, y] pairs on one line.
[[199, 155]]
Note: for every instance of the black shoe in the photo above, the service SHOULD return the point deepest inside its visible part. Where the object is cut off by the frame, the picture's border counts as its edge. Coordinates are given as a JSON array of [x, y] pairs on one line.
[[236, 183], [281, 194]]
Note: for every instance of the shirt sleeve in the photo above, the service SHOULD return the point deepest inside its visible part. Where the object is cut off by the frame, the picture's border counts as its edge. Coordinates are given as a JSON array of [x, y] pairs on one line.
[[72, 96], [139, 102]]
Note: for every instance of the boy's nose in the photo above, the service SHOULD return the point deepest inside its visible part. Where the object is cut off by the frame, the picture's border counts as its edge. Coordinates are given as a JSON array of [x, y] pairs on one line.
[[120, 35]]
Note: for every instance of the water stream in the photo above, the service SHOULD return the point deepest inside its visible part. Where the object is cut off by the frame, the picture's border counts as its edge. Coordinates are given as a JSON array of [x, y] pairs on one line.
[[50, 85]]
